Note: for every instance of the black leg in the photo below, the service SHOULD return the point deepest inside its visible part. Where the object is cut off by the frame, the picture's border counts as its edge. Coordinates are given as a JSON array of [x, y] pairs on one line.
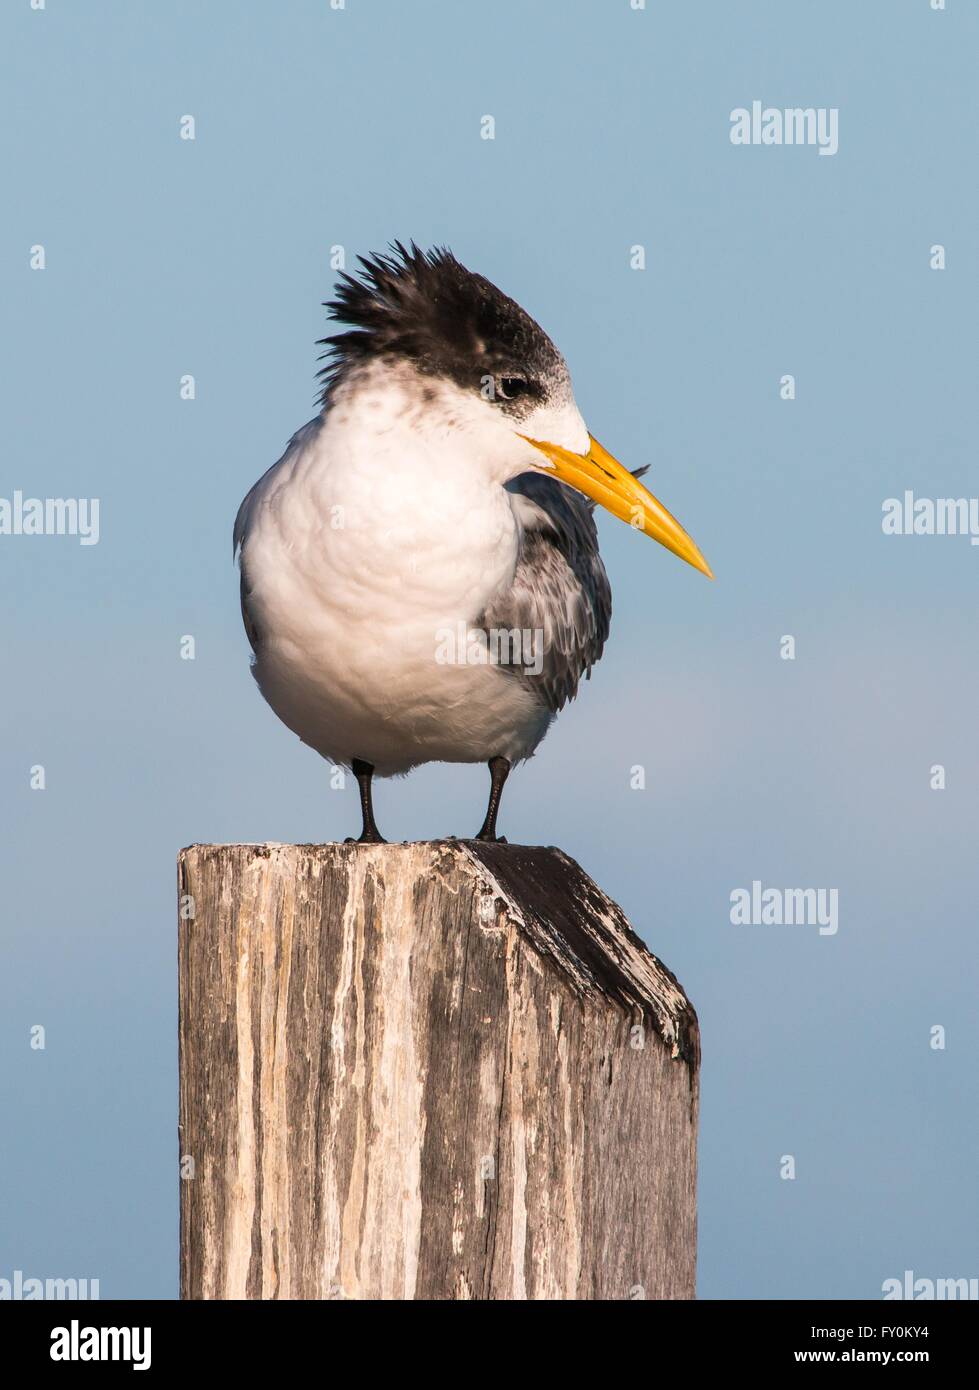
[[370, 835], [499, 771]]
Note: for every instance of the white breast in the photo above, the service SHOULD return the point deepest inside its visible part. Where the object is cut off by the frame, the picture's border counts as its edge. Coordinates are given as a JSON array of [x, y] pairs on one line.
[[372, 537]]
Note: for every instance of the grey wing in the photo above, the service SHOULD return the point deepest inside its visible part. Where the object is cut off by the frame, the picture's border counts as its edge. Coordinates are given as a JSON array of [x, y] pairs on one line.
[[244, 520], [560, 590], [238, 537]]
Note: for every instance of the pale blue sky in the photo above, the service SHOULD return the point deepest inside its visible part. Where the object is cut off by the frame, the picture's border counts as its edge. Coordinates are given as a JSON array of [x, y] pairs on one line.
[[165, 257]]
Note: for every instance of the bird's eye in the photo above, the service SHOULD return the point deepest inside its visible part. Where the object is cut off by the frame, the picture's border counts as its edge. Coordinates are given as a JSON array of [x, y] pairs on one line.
[[510, 387]]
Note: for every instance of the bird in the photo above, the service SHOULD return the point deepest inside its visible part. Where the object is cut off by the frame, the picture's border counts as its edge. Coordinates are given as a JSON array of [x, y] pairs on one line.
[[420, 575]]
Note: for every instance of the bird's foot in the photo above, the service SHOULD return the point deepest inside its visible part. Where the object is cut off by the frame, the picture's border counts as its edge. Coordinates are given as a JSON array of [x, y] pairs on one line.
[[491, 839], [369, 837]]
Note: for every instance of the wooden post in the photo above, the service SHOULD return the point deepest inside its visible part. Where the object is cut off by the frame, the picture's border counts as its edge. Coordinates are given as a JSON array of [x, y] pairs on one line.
[[427, 1071]]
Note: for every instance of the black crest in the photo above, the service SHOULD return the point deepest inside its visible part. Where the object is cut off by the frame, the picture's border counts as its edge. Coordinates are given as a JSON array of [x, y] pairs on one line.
[[427, 307]]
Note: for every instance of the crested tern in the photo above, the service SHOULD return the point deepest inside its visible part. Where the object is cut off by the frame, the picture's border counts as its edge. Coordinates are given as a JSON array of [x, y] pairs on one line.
[[420, 575]]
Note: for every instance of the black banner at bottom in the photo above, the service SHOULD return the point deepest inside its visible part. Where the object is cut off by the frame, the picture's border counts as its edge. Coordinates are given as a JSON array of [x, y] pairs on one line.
[[194, 1338]]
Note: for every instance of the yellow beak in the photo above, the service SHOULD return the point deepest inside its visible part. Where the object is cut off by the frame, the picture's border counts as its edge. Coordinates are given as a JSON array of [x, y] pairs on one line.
[[602, 478]]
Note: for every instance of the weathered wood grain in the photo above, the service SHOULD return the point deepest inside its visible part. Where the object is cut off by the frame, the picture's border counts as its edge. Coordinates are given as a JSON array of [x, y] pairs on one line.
[[427, 1071]]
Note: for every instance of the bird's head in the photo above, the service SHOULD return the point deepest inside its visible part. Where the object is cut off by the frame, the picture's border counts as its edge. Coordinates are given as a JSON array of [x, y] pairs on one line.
[[494, 371]]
